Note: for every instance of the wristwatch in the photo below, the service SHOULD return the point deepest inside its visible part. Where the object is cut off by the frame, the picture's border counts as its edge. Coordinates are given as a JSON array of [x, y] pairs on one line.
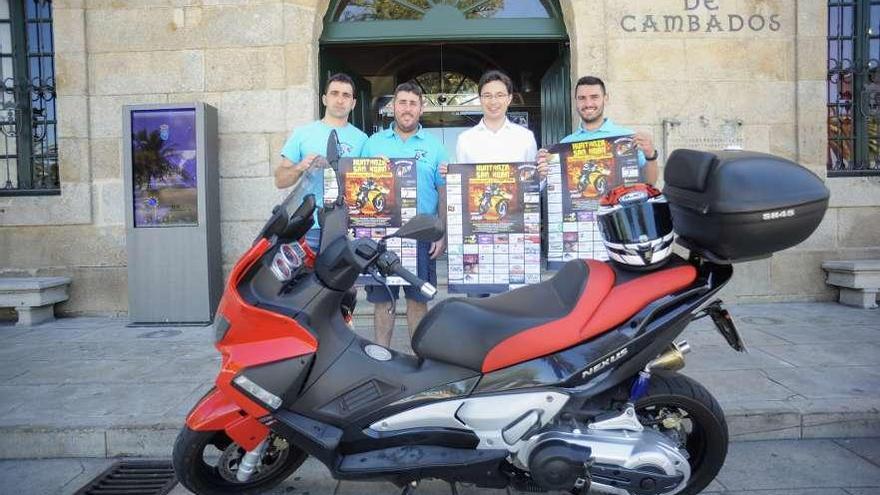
[[652, 157]]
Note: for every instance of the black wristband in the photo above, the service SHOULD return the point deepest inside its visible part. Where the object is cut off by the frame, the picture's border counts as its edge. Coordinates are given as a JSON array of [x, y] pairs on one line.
[[652, 157]]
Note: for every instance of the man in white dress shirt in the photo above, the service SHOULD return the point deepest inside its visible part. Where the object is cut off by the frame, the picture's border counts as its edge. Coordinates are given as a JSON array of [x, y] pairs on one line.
[[496, 139]]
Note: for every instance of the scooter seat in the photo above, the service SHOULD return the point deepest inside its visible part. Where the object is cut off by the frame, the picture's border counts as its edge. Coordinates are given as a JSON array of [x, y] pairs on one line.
[[584, 299]]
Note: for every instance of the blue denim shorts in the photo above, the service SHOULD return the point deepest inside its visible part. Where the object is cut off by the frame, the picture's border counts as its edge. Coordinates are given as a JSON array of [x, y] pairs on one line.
[[427, 271]]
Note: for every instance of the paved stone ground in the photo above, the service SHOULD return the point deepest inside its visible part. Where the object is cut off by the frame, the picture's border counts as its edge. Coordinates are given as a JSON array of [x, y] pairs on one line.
[[92, 387], [769, 467]]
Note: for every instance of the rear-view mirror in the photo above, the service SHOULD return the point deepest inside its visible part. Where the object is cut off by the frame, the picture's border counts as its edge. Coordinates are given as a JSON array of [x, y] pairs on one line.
[[425, 228]]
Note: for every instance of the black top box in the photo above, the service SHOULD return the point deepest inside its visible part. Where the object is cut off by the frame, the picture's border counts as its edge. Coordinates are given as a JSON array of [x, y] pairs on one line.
[[731, 206]]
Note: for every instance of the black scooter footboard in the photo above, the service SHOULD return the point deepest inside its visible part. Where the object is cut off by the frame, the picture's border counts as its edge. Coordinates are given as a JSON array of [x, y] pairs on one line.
[[415, 462], [400, 465], [317, 439]]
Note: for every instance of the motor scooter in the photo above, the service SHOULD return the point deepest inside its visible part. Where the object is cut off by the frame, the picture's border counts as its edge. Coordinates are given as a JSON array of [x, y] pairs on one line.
[[568, 385]]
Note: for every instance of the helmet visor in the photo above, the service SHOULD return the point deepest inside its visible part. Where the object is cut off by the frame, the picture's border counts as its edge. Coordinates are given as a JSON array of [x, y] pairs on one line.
[[635, 223]]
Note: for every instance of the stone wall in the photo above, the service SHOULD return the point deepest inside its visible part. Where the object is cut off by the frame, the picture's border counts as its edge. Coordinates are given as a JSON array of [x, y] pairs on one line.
[[762, 62], [256, 61]]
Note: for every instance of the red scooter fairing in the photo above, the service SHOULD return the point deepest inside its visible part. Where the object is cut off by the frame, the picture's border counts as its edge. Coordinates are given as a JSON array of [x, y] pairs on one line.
[[254, 337]]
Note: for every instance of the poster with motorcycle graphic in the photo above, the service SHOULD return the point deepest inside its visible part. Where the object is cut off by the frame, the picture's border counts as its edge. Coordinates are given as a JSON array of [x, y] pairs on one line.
[[580, 174], [493, 227], [381, 196]]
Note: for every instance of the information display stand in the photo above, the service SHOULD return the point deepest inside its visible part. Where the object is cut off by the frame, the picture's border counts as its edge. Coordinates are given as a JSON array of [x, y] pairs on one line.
[[172, 213]]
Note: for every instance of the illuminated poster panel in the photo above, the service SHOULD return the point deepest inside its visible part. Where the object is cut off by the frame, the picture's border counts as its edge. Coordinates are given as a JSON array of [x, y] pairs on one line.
[[164, 172]]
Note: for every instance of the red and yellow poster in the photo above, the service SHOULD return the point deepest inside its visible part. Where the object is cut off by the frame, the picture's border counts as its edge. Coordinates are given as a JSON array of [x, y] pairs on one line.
[[580, 174], [381, 196], [493, 226]]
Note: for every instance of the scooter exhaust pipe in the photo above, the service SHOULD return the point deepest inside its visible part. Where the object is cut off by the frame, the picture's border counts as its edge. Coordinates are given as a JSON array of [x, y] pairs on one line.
[[672, 359]]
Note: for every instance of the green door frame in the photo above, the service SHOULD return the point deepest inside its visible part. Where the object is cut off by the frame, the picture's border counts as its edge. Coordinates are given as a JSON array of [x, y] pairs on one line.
[[473, 30], [556, 101], [447, 24], [444, 23]]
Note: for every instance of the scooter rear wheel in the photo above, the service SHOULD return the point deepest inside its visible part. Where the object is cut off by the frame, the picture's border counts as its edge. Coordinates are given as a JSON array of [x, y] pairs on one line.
[[205, 462], [684, 410]]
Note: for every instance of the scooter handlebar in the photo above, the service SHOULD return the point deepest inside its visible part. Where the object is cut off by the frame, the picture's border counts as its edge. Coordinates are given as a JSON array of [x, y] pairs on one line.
[[388, 263], [425, 288]]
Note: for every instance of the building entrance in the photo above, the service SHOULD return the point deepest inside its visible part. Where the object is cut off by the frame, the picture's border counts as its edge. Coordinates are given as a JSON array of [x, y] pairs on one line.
[[448, 74], [445, 46]]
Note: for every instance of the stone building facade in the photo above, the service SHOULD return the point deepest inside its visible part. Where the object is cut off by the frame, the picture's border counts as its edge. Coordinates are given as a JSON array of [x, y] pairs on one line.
[[760, 63]]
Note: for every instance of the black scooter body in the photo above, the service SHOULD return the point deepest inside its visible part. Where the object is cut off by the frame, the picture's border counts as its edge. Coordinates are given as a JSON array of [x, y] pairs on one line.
[[328, 413]]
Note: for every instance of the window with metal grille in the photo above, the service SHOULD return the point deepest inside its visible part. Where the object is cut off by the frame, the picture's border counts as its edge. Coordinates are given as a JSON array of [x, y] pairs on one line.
[[28, 125], [853, 87]]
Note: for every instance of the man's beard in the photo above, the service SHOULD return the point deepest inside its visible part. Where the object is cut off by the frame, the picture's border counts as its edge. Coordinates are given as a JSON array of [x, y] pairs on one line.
[[412, 128], [598, 118]]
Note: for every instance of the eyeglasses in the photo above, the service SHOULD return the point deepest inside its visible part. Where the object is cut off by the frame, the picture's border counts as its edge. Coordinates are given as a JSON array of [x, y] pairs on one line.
[[496, 96]]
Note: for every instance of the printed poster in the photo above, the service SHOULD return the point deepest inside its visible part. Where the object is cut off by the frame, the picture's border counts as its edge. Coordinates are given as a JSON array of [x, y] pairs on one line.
[[381, 196], [580, 174], [493, 223]]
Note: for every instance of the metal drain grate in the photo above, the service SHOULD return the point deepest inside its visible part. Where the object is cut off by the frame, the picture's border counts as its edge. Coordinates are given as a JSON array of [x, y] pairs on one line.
[[132, 478]]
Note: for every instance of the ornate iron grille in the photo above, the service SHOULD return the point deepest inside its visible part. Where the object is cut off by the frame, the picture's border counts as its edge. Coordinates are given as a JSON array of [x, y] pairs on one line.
[[28, 123], [853, 87]]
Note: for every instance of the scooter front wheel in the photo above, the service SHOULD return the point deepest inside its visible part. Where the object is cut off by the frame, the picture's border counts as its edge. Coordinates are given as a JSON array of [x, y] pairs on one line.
[[206, 463]]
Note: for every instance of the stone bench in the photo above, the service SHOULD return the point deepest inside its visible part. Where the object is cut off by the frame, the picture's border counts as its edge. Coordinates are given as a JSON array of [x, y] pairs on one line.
[[33, 298], [859, 281]]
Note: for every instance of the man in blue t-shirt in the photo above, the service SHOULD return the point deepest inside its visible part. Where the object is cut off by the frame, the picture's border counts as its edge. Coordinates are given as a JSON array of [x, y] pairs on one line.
[[303, 155], [590, 100], [406, 139]]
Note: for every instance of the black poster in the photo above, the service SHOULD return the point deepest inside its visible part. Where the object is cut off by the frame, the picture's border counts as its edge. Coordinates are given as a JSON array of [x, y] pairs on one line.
[[494, 226]]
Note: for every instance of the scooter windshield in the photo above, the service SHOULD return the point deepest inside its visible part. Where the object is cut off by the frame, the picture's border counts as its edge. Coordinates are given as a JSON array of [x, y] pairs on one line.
[[334, 224]]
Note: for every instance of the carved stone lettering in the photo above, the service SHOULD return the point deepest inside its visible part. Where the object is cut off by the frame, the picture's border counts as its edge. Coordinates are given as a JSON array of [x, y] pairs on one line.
[[757, 22], [695, 4], [714, 23], [736, 22], [699, 16], [673, 23]]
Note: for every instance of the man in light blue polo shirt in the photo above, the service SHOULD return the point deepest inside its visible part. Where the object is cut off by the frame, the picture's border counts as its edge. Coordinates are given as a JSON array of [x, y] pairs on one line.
[[303, 155], [590, 100], [406, 139]]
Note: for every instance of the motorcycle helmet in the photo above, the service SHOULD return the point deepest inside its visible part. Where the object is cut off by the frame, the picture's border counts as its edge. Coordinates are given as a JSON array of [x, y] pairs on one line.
[[636, 226]]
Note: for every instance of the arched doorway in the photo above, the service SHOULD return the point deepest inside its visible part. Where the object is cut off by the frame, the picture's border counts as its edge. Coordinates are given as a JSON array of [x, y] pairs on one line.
[[445, 45]]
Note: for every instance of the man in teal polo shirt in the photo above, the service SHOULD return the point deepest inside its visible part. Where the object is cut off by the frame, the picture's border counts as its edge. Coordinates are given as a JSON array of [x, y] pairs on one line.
[[303, 155], [590, 100], [406, 139]]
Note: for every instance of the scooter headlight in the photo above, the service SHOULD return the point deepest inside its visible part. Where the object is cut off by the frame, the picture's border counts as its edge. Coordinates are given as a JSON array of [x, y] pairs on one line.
[[258, 392]]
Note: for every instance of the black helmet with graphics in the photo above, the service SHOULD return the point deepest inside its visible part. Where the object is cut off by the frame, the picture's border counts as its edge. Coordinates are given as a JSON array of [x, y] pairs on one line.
[[636, 226]]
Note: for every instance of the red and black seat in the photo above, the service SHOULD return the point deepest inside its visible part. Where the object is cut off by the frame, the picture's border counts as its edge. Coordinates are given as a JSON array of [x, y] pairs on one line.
[[584, 299]]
